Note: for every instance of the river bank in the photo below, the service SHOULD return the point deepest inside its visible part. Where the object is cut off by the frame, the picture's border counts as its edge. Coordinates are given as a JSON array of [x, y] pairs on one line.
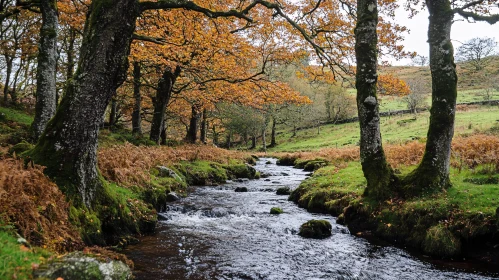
[[41, 223], [218, 233], [459, 224]]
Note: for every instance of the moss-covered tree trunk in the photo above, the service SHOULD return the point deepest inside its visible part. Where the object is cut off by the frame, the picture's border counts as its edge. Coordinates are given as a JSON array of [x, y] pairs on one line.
[[136, 114], [113, 114], [204, 127], [433, 171], [46, 101], [192, 132], [163, 95], [8, 71], [273, 141], [68, 146], [379, 175]]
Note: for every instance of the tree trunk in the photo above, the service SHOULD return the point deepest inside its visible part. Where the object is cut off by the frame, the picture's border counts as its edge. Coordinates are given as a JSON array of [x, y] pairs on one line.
[[70, 54], [193, 126], [215, 135], [136, 114], [163, 95], [229, 138], [264, 140], [8, 72], [46, 71], [204, 124], [379, 175], [273, 142], [112, 114], [68, 146], [253, 142], [433, 172], [163, 134]]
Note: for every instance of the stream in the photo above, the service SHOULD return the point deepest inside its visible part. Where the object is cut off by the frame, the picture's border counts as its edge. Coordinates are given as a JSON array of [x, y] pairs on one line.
[[217, 233]]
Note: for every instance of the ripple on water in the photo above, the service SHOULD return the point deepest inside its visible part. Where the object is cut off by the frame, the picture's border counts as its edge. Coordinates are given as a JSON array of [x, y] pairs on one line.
[[216, 233]]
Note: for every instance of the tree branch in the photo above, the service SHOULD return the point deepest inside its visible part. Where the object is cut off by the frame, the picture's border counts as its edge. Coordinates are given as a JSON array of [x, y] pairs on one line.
[[159, 41]]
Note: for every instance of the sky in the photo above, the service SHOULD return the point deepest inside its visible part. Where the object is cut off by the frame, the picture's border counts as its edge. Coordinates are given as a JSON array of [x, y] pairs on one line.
[[462, 31]]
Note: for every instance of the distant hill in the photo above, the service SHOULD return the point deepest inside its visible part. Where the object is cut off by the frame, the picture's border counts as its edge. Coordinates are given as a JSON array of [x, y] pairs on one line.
[[468, 77]]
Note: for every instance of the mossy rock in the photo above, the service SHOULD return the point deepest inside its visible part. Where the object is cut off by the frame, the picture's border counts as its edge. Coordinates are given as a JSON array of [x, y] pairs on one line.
[[80, 266], [276, 210], [287, 160], [283, 191], [241, 189], [241, 171], [314, 165], [21, 147], [440, 242], [200, 173], [317, 229]]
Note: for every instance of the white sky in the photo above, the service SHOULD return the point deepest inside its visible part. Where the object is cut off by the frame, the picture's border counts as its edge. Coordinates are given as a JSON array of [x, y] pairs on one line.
[[462, 31]]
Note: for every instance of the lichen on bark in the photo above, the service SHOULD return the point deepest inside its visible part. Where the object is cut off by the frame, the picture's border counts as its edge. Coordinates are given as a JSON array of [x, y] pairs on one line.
[[432, 174], [379, 175]]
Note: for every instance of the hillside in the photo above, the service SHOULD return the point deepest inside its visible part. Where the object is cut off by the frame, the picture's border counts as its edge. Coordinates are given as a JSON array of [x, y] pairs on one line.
[[469, 78]]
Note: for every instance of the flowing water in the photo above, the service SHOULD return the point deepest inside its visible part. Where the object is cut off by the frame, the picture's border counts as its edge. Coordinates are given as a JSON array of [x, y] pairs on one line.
[[217, 233]]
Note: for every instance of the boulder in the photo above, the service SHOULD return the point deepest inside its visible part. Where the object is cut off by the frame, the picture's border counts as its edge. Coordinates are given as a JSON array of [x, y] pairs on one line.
[[283, 191], [166, 172], [276, 210], [317, 229], [172, 196], [241, 189], [77, 265]]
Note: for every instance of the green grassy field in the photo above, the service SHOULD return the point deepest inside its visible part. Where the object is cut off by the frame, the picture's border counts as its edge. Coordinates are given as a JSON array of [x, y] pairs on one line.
[[395, 129], [395, 103]]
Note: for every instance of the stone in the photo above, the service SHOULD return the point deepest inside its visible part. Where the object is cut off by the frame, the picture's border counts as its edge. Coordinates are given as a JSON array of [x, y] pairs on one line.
[[276, 210], [172, 196], [317, 229], [241, 189], [283, 191], [77, 265], [166, 172]]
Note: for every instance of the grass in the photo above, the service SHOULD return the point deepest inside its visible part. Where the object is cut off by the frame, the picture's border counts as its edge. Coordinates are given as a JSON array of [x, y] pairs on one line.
[[14, 115], [17, 261], [395, 129]]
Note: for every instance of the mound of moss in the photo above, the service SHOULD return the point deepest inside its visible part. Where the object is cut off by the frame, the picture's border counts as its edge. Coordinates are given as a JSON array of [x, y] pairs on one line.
[[439, 241], [317, 229], [276, 210]]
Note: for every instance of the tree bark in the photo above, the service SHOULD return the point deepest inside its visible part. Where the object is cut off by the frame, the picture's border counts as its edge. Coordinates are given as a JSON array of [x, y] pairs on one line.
[[8, 72], [193, 126], [432, 174], [253, 142], [68, 146], [264, 140], [136, 114], [163, 95], [45, 76], [112, 114], [204, 124], [379, 175], [273, 142]]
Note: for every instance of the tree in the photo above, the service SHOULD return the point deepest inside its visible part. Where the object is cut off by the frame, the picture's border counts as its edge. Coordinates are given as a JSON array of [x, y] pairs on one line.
[[432, 174], [420, 60], [417, 97], [476, 50], [47, 67], [68, 146], [379, 175]]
